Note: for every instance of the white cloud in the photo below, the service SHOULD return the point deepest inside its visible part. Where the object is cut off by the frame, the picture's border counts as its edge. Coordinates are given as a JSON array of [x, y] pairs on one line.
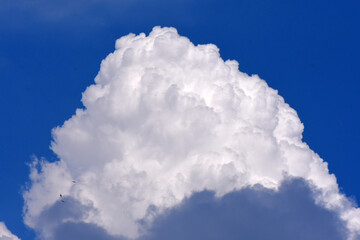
[[163, 120], [5, 234]]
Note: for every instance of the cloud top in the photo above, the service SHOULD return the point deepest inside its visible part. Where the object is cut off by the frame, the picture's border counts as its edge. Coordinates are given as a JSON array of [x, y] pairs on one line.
[[165, 119]]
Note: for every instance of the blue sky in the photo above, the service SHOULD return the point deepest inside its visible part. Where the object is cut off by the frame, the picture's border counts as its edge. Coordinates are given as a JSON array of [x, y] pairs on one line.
[[51, 51]]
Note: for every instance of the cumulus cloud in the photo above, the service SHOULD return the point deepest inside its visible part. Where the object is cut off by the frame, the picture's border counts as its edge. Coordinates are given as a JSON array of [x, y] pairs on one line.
[[5, 234], [166, 119]]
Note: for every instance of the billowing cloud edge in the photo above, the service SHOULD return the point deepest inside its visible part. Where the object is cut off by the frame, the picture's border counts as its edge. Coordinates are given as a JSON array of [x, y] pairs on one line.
[[5, 234], [165, 119]]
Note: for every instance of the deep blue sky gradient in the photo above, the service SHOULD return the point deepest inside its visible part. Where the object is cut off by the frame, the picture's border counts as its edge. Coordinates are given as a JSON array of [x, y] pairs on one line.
[[50, 51]]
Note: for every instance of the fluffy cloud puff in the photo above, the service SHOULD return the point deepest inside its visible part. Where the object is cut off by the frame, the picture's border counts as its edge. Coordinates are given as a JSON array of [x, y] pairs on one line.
[[163, 120], [5, 234]]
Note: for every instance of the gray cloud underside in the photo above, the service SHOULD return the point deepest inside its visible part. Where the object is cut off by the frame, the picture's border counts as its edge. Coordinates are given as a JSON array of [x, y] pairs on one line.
[[252, 213]]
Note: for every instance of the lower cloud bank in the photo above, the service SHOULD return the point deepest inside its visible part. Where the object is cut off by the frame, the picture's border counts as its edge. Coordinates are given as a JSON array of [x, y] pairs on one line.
[[252, 213]]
